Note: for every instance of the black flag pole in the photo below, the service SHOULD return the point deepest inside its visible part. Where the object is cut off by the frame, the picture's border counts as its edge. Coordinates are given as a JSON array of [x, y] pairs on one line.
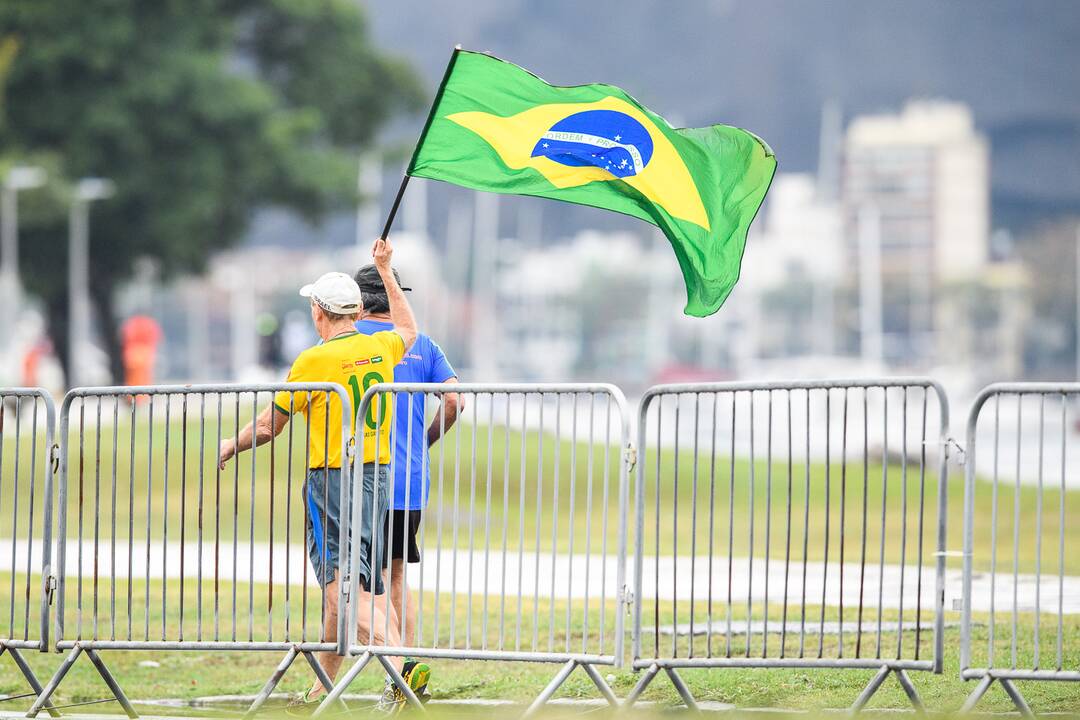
[[427, 124]]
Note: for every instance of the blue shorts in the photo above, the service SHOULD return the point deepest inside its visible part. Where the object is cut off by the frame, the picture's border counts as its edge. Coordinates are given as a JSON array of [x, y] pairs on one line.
[[322, 501]]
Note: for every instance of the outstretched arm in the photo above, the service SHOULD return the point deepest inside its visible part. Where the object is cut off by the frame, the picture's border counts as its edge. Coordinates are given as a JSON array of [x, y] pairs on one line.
[[269, 423], [451, 406]]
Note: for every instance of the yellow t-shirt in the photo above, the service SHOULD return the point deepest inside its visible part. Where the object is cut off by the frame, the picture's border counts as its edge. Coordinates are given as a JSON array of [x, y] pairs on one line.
[[357, 362]]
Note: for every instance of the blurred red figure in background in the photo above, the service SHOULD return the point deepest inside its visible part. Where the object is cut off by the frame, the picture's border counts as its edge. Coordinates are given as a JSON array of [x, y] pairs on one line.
[[139, 336]]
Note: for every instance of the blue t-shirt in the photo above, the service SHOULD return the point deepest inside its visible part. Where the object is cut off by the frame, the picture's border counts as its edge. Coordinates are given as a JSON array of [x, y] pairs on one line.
[[423, 362]]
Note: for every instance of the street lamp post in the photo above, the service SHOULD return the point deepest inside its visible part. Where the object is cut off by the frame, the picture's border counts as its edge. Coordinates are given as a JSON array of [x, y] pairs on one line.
[[87, 190], [18, 178]]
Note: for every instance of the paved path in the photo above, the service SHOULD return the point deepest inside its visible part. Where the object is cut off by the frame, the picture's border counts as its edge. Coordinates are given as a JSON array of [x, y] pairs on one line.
[[579, 575]]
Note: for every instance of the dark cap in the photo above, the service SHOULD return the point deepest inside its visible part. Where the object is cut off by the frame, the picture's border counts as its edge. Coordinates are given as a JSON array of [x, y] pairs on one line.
[[369, 280]]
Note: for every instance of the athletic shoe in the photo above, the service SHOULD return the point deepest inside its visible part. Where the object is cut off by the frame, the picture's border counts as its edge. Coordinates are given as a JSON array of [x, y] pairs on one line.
[[303, 705], [417, 675]]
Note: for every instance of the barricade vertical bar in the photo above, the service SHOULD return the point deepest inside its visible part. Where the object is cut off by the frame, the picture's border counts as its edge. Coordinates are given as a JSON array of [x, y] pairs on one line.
[[506, 518], [588, 524], [131, 514], [251, 515], [149, 496], [693, 515], [806, 535], [112, 523], [1061, 540], [521, 518], [97, 515], [656, 478], [843, 525], [712, 524], [199, 519], [865, 500], [472, 534], [903, 526], [731, 522], [922, 506], [487, 516], [165, 518], [1016, 533], [750, 553], [787, 540], [1038, 527], [82, 496], [828, 498], [539, 506], [15, 506], [183, 503], [768, 527], [555, 519], [217, 528], [884, 507], [570, 524]]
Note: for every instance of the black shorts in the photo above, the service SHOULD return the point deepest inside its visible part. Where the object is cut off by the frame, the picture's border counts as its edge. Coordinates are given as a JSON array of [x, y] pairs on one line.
[[401, 522]]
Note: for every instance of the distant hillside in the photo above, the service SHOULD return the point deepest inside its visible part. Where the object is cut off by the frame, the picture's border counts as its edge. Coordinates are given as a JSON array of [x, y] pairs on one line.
[[768, 65]]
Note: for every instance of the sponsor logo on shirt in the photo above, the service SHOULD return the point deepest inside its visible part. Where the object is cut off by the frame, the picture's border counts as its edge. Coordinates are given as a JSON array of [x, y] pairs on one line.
[[365, 361]]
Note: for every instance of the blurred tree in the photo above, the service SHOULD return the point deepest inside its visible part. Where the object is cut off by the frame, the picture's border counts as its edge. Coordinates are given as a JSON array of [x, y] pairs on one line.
[[200, 111]]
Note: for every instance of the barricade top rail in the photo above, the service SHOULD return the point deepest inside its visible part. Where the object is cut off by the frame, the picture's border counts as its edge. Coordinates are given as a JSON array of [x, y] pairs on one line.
[[204, 388], [828, 384]]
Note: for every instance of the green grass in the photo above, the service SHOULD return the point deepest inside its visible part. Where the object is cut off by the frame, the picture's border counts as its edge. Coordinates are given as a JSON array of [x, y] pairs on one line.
[[189, 675]]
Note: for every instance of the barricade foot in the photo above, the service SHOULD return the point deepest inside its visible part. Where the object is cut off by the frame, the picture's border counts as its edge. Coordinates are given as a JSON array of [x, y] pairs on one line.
[[31, 678], [1006, 685], [54, 682], [343, 684], [977, 694], [876, 682], [1017, 698], [683, 690], [552, 686], [676, 681], [114, 687], [268, 688], [601, 684]]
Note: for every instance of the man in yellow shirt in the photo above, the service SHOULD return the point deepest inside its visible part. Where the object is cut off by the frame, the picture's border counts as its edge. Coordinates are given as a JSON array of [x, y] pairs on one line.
[[355, 361]]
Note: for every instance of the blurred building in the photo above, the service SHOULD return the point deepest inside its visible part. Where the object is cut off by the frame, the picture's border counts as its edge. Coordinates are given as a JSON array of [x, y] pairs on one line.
[[922, 178]]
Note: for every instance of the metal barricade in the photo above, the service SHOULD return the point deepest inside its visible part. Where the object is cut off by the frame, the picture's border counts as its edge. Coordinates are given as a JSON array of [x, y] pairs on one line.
[[790, 524], [27, 420], [1020, 547], [523, 538], [160, 548]]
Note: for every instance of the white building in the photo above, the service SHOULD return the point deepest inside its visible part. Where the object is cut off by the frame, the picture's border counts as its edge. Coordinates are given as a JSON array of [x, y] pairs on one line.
[[924, 174]]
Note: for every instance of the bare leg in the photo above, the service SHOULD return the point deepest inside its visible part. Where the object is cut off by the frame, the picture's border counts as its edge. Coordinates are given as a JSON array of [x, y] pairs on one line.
[[398, 587], [366, 623], [330, 661], [370, 625]]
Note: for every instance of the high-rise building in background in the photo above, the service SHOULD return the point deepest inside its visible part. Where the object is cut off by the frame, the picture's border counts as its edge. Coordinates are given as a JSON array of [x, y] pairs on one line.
[[923, 177]]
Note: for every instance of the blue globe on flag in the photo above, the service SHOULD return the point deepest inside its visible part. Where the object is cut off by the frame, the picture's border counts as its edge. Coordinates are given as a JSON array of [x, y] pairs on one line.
[[607, 139]]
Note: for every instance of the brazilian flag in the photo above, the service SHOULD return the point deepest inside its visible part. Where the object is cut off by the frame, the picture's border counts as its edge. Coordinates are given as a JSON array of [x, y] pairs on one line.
[[497, 127]]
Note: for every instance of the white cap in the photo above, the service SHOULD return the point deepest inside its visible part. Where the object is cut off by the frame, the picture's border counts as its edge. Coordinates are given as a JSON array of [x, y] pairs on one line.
[[335, 292]]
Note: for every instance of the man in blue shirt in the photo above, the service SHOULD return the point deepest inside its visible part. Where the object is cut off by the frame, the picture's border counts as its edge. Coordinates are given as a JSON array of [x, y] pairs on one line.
[[423, 362]]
